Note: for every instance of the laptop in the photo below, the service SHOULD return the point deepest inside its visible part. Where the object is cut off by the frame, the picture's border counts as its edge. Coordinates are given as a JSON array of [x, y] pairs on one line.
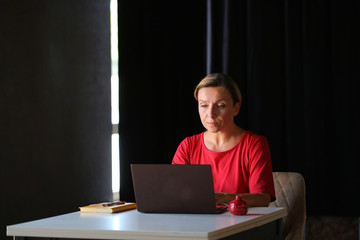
[[167, 188]]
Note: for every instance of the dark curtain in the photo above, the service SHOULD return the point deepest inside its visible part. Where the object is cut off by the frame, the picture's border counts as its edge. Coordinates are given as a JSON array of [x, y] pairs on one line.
[[161, 58], [296, 63]]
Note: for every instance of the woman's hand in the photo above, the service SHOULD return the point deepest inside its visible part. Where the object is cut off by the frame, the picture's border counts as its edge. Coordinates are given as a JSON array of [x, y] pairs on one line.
[[226, 198], [252, 199]]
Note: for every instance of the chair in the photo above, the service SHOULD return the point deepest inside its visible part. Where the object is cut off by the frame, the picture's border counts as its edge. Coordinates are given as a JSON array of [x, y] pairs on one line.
[[290, 193]]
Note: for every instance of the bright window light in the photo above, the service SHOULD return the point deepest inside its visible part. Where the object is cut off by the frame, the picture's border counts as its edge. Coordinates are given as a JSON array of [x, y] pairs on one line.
[[115, 116], [115, 163]]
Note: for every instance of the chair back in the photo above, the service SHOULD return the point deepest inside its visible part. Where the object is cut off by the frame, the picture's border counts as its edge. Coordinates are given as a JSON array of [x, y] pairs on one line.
[[290, 193]]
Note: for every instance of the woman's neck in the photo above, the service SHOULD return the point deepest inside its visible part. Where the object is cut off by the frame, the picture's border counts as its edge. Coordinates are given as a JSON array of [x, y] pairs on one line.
[[223, 140]]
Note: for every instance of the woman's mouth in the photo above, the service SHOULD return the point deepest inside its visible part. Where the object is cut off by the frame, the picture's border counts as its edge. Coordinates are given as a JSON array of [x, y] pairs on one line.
[[211, 124]]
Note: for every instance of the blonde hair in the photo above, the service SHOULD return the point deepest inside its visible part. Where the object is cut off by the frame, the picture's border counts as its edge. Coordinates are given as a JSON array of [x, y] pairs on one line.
[[220, 80]]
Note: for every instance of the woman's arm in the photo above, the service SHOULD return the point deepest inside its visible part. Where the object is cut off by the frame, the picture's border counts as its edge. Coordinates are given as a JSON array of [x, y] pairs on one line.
[[252, 199]]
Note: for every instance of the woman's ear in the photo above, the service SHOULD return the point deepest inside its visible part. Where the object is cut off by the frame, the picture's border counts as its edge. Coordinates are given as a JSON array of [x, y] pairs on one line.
[[237, 108]]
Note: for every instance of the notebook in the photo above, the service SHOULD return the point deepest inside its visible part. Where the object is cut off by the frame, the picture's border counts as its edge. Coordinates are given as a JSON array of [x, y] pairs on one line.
[[166, 188]]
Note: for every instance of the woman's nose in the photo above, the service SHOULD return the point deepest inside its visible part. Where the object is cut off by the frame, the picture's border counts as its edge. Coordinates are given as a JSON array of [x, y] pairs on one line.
[[212, 112]]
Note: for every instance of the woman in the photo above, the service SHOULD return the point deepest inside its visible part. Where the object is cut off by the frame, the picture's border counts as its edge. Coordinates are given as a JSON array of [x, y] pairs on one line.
[[240, 159]]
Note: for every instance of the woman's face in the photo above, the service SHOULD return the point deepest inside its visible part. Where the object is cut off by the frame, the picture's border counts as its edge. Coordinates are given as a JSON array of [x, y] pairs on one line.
[[216, 108]]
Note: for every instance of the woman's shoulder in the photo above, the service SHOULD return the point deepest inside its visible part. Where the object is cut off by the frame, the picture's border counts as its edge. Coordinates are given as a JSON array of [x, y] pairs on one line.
[[194, 138], [191, 142], [252, 137]]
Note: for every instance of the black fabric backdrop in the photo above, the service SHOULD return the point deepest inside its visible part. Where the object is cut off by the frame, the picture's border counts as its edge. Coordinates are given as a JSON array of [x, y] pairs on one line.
[[297, 63]]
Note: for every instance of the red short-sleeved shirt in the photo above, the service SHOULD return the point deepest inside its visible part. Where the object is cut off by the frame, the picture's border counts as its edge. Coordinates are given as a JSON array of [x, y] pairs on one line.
[[245, 168]]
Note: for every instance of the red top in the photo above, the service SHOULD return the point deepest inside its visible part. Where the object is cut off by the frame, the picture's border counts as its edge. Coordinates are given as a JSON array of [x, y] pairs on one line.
[[245, 168]]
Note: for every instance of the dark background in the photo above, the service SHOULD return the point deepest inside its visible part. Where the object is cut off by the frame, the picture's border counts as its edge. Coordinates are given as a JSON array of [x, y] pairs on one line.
[[297, 63]]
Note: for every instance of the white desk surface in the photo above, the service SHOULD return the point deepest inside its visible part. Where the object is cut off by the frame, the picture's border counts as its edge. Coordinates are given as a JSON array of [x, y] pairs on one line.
[[135, 225]]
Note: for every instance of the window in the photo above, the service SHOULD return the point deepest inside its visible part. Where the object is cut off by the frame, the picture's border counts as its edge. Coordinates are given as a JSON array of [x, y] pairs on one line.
[[115, 115]]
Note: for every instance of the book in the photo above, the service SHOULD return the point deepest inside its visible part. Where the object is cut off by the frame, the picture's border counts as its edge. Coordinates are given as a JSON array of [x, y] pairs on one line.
[[108, 207]]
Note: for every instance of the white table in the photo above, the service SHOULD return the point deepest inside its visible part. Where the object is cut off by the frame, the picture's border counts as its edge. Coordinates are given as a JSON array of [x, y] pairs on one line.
[[135, 225]]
